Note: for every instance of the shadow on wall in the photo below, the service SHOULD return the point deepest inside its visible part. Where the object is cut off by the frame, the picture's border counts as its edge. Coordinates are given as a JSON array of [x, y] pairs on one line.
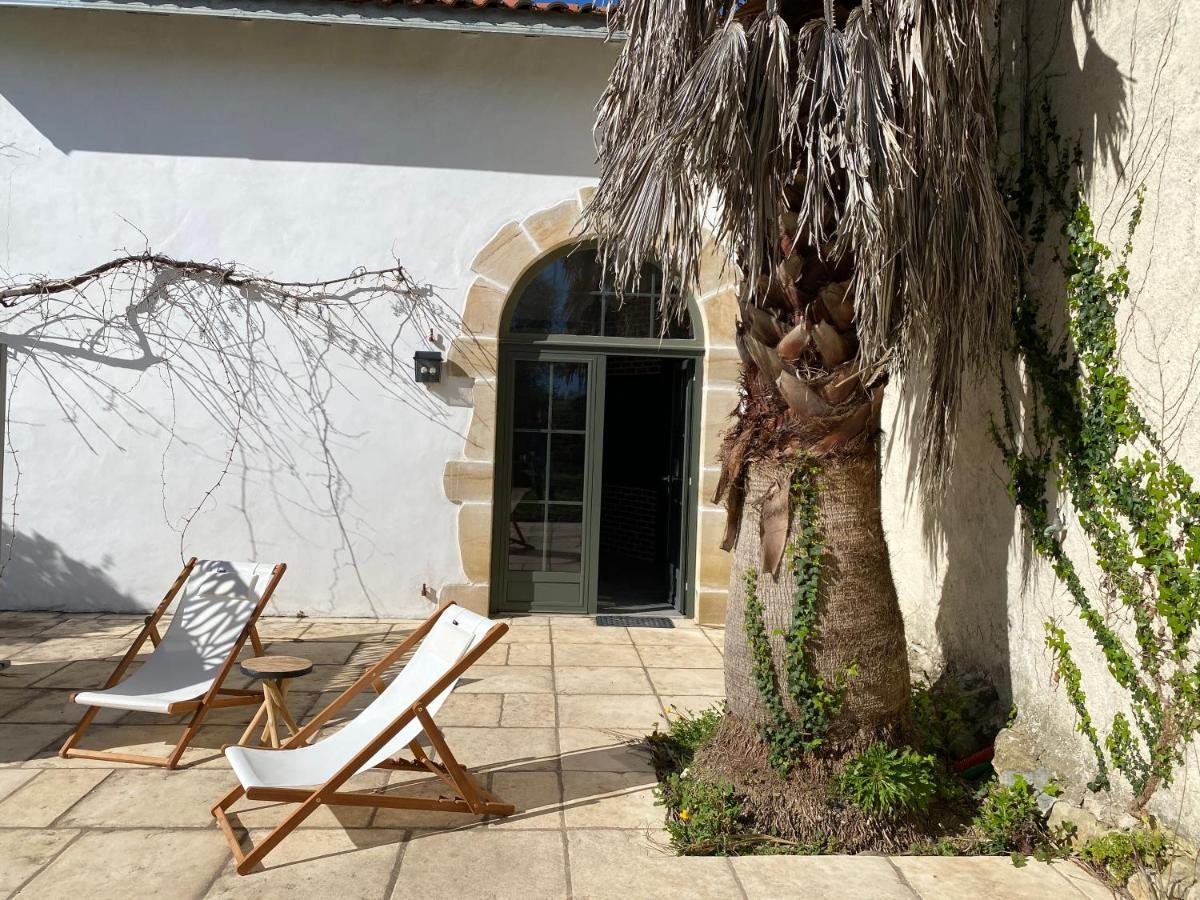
[[96, 81], [974, 532], [968, 536], [1090, 93], [976, 528], [39, 575]]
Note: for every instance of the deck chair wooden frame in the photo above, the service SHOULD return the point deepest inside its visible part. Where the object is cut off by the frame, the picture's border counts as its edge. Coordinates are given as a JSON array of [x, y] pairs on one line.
[[470, 797], [216, 697]]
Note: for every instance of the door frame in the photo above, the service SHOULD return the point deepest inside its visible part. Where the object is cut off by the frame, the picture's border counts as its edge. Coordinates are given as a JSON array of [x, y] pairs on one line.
[[595, 351]]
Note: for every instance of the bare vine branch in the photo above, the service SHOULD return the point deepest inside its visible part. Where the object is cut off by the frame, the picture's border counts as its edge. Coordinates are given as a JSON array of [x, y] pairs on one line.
[[260, 362], [228, 275]]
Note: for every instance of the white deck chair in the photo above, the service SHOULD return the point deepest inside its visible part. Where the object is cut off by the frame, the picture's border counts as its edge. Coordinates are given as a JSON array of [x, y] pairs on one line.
[[219, 605], [451, 640]]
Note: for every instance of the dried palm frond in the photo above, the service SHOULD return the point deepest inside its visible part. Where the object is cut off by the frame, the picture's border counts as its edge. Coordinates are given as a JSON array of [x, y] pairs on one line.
[[751, 219], [822, 142], [873, 161], [654, 190], [950, 223], [817, 121]]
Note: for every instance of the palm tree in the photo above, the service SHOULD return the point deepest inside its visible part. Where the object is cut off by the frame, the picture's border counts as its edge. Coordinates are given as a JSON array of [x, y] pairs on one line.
[[842, 151]]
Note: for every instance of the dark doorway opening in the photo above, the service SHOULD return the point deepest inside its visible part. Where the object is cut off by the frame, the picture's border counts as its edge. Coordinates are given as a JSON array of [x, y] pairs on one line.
[[643, 497]]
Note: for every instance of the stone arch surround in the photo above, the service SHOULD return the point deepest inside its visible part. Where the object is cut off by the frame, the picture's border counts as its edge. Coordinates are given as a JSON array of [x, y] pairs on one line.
[[468, 481]]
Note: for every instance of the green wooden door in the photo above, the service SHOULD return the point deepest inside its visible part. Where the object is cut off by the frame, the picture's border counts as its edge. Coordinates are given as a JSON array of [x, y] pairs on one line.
[[547, 481]]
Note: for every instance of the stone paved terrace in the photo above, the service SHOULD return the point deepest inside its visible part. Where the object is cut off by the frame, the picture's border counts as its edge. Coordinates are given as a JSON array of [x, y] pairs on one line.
[[543, 720]]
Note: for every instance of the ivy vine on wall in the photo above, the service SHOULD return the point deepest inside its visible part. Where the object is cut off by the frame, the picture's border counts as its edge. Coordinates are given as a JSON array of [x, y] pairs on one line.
[[1137, 508]]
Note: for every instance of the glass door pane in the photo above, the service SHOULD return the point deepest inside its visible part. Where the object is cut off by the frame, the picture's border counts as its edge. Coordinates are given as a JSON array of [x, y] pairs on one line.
[[548, 477]]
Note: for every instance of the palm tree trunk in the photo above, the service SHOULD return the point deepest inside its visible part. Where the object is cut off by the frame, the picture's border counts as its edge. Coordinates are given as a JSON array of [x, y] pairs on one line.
[[859, 623], [808, 395]]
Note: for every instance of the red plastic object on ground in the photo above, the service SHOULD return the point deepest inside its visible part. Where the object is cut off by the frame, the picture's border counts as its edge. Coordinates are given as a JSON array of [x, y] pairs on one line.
[[975, 759]]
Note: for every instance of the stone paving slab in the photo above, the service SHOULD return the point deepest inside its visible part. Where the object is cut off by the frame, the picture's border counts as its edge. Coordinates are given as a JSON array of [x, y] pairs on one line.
[[43, 800], [528, 710], [27, 851], [613, 864], [550, 721], [823, 876], [12, 780], [51, 707], [942, 878], [535, 654], [345, 864], [484, 864], [601, 680], [117, 865], [698, 657], [608, 710], [596, 655]]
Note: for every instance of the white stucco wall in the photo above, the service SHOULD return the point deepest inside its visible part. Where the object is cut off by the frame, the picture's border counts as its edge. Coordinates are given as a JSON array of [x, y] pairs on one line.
[[303, 152]]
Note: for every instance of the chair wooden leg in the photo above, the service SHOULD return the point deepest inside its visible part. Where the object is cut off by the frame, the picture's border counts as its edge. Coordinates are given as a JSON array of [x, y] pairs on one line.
[[188, 733], [132, 758], [464, 782], [382, 801], [282, 830], [245, 861], [228, 800], [74, 736], [218, 811]]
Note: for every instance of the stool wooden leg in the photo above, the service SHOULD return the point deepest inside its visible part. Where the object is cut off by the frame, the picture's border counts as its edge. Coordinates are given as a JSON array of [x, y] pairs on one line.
[[258, 716], [281, 687], [269, 703]]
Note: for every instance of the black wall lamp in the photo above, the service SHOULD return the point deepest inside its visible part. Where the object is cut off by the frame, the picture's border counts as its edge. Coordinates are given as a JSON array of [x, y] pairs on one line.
[[427, 366]]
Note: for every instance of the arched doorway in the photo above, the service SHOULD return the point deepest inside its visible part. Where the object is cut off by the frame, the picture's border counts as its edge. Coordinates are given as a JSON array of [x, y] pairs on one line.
[[498, 268], [597, 444]]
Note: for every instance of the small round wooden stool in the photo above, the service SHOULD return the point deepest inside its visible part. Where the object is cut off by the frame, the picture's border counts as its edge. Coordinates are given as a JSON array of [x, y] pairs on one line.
[[275, 672]]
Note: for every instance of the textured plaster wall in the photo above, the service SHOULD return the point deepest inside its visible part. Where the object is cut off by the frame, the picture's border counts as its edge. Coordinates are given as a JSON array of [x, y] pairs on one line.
[[1123, 79], [302, 152]]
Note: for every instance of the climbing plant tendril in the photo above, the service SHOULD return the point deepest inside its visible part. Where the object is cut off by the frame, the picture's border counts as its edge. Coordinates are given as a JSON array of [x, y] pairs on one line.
[[1136, 507], [816, 701]]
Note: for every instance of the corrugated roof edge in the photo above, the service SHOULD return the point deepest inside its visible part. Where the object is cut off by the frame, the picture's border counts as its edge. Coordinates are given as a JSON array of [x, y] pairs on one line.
[[564, 6], [494, 17]]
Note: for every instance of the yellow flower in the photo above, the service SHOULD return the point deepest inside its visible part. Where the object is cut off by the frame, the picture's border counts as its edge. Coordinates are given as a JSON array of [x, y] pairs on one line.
[[684, 815]]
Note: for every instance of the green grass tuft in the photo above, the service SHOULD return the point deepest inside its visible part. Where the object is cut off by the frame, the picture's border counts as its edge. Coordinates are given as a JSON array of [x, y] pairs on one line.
[[888, 783]]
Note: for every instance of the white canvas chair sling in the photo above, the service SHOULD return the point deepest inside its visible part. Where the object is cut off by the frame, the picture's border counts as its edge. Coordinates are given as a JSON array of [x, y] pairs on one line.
[[219, 606], [451, 641]]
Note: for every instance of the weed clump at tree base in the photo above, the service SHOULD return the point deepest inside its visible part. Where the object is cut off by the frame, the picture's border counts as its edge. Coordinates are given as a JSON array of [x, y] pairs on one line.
[[882, 799]]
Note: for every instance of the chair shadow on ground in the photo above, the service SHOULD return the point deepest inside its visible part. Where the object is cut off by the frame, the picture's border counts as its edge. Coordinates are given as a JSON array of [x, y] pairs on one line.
[[540, 797]]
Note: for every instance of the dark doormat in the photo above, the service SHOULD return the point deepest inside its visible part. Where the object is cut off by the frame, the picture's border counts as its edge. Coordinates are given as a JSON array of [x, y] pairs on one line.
[[635, 621]]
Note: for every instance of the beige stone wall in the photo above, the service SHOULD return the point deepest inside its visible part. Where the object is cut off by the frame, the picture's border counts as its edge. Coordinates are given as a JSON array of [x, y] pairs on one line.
[[468, 481], [1123, 80]]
